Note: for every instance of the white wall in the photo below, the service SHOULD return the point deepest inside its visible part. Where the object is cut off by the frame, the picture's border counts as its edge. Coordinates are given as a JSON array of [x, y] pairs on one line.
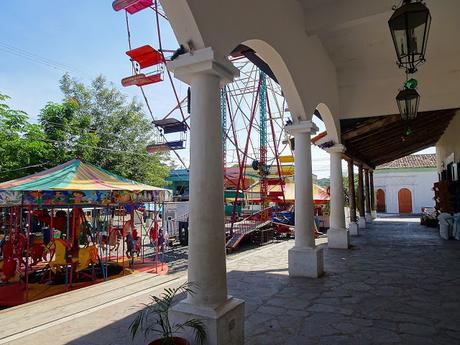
[[418, 181], [449, 142]]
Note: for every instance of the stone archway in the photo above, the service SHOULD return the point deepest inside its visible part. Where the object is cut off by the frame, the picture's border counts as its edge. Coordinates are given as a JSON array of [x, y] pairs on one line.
[[405, 201], [381, 206]]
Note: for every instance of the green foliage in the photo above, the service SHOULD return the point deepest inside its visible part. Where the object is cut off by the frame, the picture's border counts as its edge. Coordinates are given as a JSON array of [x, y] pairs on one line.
[[154, 318], [95, 123], [99, 125], [325, 183], [21, 144]]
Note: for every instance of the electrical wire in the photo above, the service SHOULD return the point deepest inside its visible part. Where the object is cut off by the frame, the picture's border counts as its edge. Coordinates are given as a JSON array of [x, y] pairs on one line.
[[23, 168], [61, 126], [97, 148], [6, 47]]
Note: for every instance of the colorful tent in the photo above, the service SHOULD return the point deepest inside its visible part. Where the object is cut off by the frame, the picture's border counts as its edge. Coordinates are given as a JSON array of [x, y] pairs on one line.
[[75, 182], [320, 195]]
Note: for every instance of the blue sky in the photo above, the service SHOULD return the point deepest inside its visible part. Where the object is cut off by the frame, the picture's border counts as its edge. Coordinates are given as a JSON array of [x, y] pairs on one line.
[[41, 40], [85, 36]]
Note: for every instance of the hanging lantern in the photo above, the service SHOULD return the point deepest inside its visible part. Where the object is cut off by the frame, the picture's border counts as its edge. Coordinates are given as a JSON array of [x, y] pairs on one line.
[[409, 26], [408, 101]]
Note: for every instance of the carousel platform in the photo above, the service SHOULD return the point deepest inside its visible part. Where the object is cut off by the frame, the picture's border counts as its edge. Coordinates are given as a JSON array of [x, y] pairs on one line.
[[31, 317], [14, 293]]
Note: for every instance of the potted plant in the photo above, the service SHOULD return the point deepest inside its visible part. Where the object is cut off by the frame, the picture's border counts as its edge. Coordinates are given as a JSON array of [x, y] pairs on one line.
[[154, 318]]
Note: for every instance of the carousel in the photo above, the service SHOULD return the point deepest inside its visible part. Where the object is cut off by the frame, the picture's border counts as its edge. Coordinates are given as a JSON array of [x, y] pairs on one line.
[[75, 225]]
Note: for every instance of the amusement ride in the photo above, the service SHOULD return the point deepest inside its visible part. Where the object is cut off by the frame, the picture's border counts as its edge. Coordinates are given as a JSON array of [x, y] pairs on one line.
[[84, 231]]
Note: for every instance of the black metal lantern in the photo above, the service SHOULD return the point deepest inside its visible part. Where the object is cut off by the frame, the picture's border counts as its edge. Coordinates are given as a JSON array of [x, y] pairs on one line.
[[409, 26], [408, 101]]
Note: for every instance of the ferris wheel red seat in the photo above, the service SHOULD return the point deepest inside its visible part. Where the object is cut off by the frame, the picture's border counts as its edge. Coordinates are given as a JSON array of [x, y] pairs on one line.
[[141, 79], [131, 6], [275, 181], [154, 148], [145, 56]]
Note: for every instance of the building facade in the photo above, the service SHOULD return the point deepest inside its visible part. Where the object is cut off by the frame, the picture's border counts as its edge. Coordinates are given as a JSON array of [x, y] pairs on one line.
[[405, 185]]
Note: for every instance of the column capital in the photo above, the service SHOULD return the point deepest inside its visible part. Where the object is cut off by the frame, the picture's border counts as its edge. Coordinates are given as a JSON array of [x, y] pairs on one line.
[[337, 148], [202, 61], [301, 127]]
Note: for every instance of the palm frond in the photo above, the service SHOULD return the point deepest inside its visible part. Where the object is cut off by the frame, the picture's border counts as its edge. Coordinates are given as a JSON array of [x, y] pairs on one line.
[[198, 327], [154, 318]]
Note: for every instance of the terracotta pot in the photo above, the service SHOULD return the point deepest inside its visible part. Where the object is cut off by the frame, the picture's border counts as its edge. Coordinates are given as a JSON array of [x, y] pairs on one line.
[[177, 341]]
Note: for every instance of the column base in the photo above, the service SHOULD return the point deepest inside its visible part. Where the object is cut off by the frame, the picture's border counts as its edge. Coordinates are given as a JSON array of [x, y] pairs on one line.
[[338, 238], [353, 229], [362, 223], [368, 218], [306, 262], [224, 324], [374, 214]]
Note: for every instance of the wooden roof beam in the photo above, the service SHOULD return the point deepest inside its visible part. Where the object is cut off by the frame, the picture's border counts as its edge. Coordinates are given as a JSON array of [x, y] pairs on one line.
[[374, 125]]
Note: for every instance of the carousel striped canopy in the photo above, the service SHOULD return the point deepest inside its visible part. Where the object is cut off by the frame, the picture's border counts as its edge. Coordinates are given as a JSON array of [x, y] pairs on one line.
[[75, 175]]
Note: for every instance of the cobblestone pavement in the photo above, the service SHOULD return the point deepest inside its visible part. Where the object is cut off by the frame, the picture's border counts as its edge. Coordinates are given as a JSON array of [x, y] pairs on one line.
[[399, 284]]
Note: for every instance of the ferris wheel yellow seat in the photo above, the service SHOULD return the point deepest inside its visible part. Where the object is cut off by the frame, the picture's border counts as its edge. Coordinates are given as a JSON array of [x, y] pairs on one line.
[[286, 159]]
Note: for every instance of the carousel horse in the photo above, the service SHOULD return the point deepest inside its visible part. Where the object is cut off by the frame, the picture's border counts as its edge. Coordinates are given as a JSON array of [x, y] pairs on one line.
[[114, 239], [37, 252], [86, 256], [58, 257], [12, 250], [8, 267]]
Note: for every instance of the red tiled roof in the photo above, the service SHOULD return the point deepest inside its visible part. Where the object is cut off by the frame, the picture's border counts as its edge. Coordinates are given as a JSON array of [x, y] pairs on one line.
[[412, 161]]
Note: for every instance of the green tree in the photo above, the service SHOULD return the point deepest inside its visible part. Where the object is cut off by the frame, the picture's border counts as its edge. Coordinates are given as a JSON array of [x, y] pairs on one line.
[[22, 145], [99, 125]]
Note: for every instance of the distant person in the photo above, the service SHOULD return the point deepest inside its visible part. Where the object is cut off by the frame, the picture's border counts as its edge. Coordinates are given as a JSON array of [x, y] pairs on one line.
[[161, 241], [153, 234], [166, 240], [129, 245], [169, 230]]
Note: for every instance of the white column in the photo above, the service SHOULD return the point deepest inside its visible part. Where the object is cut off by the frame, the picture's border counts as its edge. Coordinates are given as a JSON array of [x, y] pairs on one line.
[[338, 236], [353, 227], [361, 198], [222, 314], [206, 264], [368, 216], [305, 259], [373, 205]]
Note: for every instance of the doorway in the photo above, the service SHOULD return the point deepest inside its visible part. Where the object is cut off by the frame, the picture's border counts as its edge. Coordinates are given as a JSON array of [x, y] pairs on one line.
[[405, 200], [381, 207]]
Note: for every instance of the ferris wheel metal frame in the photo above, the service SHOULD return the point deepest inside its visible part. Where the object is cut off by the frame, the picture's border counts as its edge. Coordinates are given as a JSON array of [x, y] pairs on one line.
[[253, 112]]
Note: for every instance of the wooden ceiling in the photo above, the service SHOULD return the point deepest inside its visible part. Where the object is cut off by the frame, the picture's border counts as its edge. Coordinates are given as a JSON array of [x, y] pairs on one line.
[[377, 140]]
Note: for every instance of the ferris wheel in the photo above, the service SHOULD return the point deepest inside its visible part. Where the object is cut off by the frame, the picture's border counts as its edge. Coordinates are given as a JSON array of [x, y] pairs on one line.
[[257, 152]]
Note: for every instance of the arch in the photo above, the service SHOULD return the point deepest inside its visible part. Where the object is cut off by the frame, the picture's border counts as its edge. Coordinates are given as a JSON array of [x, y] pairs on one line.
[[271, 56], [183, 22], [405, 200], [381, 205], [332, 123], [302, 65]]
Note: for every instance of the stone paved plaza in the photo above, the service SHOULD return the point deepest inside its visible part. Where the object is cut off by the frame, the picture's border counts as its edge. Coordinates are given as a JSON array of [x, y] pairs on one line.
[[399, 284]]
